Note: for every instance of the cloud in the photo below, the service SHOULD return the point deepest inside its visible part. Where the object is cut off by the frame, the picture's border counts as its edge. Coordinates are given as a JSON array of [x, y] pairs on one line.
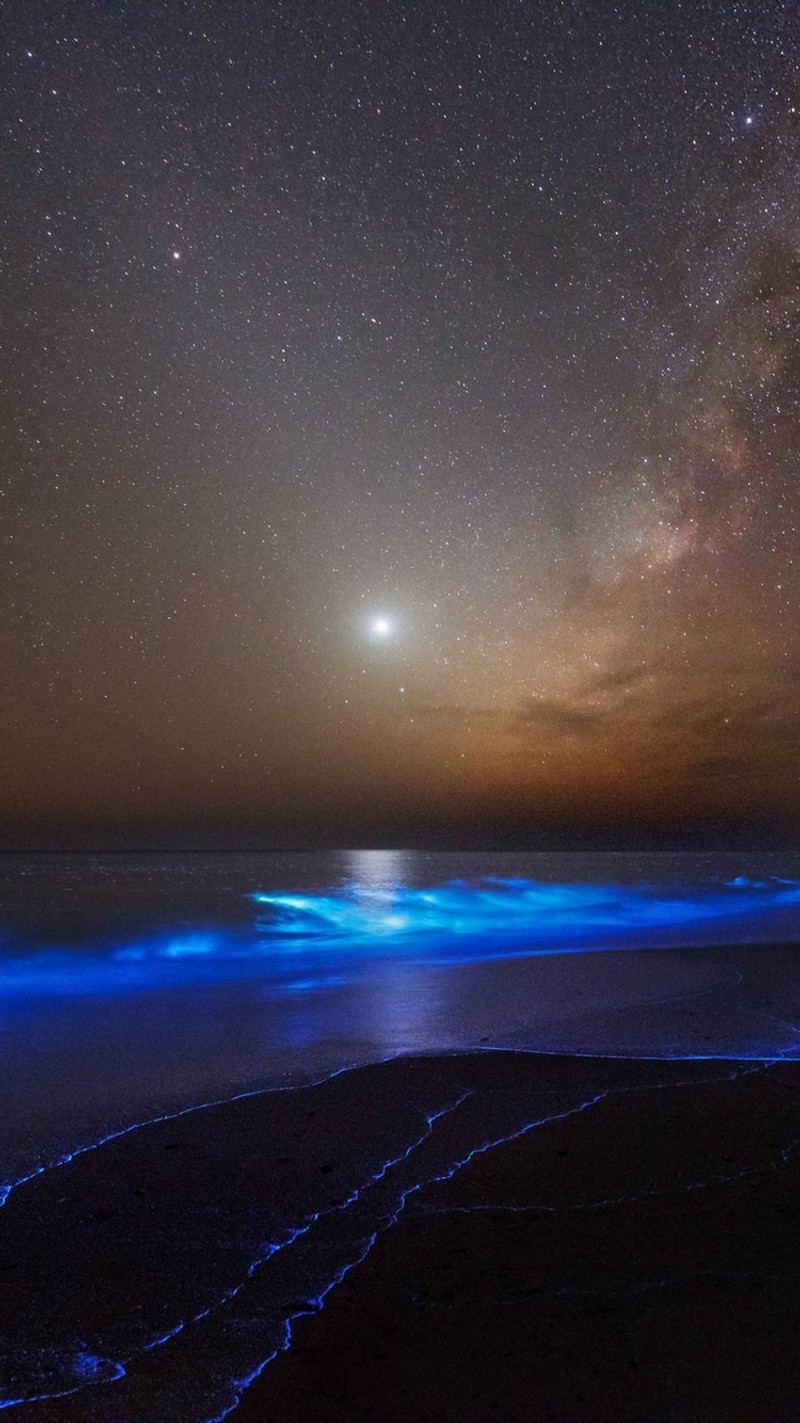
[[452, 716], [622, 679], [559, 718], [637, 715], [721, 766]]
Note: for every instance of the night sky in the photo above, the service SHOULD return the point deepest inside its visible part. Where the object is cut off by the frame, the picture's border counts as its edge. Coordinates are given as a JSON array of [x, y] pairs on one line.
[[400, 422]]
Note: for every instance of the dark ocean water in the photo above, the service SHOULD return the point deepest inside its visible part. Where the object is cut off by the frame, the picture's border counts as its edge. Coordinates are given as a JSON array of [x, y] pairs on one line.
[[131, 985]]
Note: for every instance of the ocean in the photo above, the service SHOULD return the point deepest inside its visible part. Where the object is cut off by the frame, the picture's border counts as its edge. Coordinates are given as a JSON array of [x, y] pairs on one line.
[[132, 985]]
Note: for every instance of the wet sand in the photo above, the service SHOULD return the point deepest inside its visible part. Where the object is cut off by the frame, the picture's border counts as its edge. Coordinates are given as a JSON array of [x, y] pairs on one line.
[[488, 1236]]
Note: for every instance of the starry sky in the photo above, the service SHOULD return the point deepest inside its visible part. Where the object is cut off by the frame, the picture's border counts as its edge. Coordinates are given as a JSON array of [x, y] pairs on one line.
[[400, 422]]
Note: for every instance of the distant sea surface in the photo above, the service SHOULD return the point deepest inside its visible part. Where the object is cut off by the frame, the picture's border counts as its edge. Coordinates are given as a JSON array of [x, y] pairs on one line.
[[133, 985]]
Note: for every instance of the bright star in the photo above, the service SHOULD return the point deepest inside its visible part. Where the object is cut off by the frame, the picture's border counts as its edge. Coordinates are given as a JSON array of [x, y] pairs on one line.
[[380, 627]]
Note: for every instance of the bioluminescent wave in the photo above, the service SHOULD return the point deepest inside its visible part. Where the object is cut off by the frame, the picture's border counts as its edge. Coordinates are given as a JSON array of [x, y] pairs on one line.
[[309, 942], [504, 911]]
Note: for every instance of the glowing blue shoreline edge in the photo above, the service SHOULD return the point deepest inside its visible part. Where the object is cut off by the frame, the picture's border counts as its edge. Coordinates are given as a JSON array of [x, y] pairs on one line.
[[117, 1368], [762, 1059], [317, 1304]]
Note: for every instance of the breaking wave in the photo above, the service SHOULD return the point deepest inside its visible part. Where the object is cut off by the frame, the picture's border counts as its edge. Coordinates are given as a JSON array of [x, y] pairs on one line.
[[296, 941]]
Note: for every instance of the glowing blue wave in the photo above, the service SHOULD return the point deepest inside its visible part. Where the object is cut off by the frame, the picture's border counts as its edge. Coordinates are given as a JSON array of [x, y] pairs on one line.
[[302, 943], [506, 909]]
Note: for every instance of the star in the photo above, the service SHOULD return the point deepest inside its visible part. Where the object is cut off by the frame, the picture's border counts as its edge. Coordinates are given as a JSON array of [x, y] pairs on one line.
[[381, 626]]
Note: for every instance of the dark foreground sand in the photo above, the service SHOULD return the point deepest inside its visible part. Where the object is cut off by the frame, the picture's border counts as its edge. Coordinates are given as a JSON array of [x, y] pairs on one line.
[[493, 1236]]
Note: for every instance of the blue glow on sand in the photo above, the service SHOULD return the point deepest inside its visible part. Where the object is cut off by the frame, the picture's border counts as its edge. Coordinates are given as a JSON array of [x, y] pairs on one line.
[[85, 1370], [315, 942]]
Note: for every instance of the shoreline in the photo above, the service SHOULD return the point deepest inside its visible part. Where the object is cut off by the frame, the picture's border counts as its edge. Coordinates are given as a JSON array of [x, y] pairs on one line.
[[283, 1225]]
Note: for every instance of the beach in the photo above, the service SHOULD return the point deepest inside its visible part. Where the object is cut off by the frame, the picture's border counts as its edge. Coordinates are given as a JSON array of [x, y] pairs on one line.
[[478, 1236], [377, 1138], [399, 793]]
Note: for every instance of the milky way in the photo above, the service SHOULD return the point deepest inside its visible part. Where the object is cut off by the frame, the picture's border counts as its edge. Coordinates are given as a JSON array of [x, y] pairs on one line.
[[400, 422]]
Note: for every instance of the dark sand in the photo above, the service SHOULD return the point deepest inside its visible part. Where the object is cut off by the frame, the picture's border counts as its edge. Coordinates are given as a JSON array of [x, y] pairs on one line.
[[623, 1243]]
